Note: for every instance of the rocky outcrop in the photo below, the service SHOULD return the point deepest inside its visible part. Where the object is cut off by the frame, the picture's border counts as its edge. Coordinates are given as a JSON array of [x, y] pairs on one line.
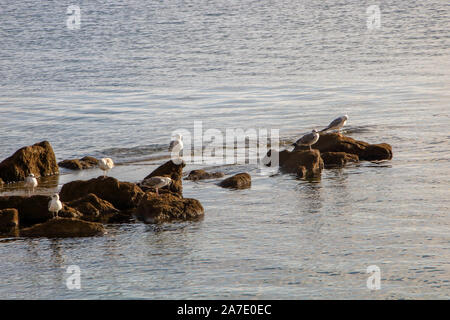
[[238, 181], [171, 170], [304, 163], [31, 210], [9, 221], [333, 142], [38, 159], [79, 164], [122, 195], [338, 159], [93, 208], [64, 227], [168, 208], [196, 175]]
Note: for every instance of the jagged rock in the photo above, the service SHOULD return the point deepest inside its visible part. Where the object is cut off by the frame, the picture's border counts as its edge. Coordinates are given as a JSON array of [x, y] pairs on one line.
[[167, 208], [238, 181], [333, 142], [64, 227], [31, 210], [195, 175], [122, 195], [173, 171], [79, 164], [338, 159], [38, 159], [9, 221], [93, 208]]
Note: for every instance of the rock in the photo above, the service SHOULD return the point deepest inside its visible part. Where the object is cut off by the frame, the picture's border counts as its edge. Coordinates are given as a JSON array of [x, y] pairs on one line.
[[195, 175], [173, 171], [238, 181], [64, 227], [304, 163], [333, 142], [1, 183], [31, 210], [38, 159], [167, 208], [93, 208], [9, 221], [79, 164], [122, 195], [338, 159]]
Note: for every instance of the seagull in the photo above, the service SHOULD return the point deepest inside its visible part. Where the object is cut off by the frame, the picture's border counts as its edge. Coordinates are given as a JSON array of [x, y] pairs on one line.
[[337, 123], [176, 144], [308, 139], [106, 164], [55, 205], [157, 182], [31, 183]]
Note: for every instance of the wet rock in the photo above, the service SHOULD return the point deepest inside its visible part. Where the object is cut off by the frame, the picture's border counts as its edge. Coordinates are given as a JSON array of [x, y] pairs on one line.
[[9, 221], [195, 175], [338, 159], [168, 208], [38, 159], [122, 195], [1, 183], [238, 181], [79, 164], [31, 210], [333, 142], [93, 208], [173, 171], [304, 163], [64, 227], [69, 212]]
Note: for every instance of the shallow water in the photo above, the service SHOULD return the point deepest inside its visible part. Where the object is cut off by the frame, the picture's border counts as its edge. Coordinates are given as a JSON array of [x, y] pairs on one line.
[[132, 74]]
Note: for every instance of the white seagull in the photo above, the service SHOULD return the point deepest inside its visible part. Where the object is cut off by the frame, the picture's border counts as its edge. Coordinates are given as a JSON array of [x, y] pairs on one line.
[[308, 139], [176, 144], [105, 164], [337, 123], [31, 183], [55, 205], [157, 182]]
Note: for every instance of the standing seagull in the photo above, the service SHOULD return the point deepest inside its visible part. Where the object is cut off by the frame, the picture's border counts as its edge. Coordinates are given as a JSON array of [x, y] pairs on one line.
[[55, 205], [106, 164], [176, 144], [31, 183], [337, 123], [157, 182], [308, 139]]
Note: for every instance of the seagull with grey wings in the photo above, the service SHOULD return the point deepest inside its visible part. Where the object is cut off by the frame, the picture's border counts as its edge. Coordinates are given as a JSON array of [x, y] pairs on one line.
[[308, 139], [157, 182], [336, 124]]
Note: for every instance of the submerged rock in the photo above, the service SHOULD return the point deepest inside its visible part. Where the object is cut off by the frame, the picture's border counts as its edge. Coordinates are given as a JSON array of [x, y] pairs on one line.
[[173, 171], [9, 221], [195, 175], [238, 181], [38, 159], [338, 159], [167, 208], [333, 142], [122, 195], [79, 164], [64, 227], [93, 208]]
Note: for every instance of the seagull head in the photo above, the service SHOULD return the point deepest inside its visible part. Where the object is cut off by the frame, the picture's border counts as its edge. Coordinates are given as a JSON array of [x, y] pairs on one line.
[[178, 136], [55, 196], [346, 117], [31, 175], [314, 130]]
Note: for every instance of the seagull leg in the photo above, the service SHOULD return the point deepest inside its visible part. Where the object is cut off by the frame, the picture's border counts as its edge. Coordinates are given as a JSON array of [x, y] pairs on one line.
[[157, 193], [310, 148]]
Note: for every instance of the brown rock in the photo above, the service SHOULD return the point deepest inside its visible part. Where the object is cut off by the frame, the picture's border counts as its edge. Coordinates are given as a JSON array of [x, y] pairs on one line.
[[195, 175], [122, 195], [238, 181], [64, 227], [9, 221], [93, 208], [79, 164], [333, 142], [338, 159], [38, 159], [31, 210], [173, 171], [304, 163], [167, 208]]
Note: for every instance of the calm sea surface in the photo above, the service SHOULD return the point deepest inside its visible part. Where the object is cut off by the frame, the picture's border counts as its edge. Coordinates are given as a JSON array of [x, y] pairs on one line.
[[137, 70]]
